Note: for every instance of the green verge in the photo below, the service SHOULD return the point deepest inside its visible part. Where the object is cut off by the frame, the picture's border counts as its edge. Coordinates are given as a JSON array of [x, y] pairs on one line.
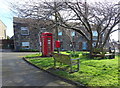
[[92, 72], [33, 55]]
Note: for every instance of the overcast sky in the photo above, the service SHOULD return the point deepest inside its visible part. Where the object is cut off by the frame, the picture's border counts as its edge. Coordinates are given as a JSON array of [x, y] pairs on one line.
[[7, 17]]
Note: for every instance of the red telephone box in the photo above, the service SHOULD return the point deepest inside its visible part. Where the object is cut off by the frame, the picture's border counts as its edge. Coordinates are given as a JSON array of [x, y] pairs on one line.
[[47, 43]]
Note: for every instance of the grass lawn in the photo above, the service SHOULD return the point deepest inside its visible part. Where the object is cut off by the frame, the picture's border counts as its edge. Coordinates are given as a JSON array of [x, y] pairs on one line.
[[92, 72]]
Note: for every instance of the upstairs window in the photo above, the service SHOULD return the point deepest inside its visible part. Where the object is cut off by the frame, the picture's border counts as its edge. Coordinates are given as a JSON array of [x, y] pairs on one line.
[[94, 33], [73, 33], [24, 31], [60, 33], [25, 45]]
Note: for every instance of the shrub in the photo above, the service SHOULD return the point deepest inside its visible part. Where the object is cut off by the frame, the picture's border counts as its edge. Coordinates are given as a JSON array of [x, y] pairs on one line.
[[33, 55]]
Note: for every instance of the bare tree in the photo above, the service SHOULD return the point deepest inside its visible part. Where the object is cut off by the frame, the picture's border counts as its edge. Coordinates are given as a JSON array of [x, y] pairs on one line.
[[98, 17], [39, 10], [86, 18]]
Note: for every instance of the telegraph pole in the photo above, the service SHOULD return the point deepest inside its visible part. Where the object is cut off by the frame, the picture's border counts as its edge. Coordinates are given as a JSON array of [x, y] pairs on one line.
[[56, 20], [56, 26]]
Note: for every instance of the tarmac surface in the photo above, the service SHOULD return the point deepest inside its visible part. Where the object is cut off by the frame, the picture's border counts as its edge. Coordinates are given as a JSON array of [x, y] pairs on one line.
[[16, 72]]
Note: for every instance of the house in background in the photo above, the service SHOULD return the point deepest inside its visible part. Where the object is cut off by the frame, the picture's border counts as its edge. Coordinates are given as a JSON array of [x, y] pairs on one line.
[[3, 28], [2, 33], [27, 35], [4, 42]]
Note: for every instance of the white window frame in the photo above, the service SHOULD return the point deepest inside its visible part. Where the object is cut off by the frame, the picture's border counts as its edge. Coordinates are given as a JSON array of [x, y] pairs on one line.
[[24, 29], [25, 44]]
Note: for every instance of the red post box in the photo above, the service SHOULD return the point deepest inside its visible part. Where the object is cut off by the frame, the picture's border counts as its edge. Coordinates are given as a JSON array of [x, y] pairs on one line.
[[57, 44], [47, 43]]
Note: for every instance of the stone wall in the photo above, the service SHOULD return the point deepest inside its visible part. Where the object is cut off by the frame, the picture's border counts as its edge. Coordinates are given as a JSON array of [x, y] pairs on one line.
[[6, 44]]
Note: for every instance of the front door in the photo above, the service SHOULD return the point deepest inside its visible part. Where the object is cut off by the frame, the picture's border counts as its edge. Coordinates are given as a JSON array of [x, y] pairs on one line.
[[84, 45]]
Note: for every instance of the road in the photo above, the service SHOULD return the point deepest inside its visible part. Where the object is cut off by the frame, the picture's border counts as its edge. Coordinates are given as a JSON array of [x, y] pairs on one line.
[[16, 72]]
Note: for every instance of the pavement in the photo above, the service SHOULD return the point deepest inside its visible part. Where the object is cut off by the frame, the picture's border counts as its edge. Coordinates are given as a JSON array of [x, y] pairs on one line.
[[16, 72]]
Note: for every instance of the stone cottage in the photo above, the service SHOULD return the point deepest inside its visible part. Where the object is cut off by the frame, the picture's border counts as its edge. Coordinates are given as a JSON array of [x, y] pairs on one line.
[[27, 32]]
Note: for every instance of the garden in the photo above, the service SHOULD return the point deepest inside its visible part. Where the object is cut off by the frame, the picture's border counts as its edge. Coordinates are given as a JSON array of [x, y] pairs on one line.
[[93, 72]]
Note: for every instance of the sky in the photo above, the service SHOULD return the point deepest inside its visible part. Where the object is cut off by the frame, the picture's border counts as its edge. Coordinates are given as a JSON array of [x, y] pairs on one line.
[[6, 16]]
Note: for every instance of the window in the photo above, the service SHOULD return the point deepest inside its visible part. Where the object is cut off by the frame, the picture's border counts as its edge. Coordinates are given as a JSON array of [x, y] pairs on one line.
[[5, 34], [43, 29], [60, 33], [25, 45], [95, 38], [24, 31], [94, 33], [72, 33]]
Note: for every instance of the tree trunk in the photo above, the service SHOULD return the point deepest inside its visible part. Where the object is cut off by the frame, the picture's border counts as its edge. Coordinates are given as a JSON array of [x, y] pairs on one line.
[[91, 49]]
